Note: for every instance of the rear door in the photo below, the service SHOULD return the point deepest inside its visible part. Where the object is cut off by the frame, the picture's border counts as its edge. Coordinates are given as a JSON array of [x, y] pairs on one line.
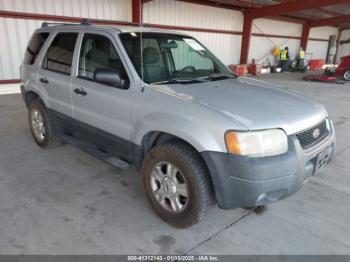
[[103, 112], [54, 75], [30, 66]]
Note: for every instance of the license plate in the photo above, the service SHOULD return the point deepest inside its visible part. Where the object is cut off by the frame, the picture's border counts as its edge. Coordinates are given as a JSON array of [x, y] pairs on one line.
[[323, 158]]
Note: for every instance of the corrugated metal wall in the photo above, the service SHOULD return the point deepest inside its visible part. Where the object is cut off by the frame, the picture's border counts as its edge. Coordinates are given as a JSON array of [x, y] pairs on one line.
[[169, 12], [261, 47], [98, 9], [316, 48], [15, 33], [344, 49], [226, 47]]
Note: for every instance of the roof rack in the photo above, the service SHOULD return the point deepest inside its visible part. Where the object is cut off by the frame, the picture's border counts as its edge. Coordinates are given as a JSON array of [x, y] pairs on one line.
[[83, 21]]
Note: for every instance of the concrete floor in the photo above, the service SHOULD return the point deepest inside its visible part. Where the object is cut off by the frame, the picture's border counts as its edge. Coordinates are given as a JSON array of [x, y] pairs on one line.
[[63, 201]]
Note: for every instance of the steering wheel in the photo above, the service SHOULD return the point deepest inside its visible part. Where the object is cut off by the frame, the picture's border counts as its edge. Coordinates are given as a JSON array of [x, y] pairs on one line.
[[189, 69]]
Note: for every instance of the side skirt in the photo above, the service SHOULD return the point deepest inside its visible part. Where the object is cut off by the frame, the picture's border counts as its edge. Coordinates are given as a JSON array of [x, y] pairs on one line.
[[109, 148]]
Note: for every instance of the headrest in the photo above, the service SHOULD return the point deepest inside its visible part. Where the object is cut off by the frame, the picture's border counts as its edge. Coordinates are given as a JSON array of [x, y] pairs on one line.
[[150, 55], [97, 56]]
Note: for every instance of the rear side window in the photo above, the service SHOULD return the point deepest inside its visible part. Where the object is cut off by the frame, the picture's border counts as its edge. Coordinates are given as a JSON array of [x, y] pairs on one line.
[[59, 55], [34, 47]]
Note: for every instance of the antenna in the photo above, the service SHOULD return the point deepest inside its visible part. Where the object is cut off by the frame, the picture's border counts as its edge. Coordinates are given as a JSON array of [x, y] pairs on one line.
[[141, 45]]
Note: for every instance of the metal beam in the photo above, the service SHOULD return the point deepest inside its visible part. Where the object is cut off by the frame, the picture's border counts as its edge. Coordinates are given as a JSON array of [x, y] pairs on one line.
[[338, 20], [340, 32], [288, 19], [136, 8], [214, 4], [330, 12], [246, 35], [240, 7], [293, 6], [305, 36]]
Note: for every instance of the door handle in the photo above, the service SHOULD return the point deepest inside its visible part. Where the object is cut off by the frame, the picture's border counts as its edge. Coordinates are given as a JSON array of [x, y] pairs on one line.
[[44, 80], [80, 91]]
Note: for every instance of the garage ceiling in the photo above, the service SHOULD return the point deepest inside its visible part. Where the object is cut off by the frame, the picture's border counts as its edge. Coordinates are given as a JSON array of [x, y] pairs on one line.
[[315, 11]]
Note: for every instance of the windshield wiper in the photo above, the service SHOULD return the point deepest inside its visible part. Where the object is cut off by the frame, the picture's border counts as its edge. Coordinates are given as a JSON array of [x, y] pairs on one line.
[[179, 81], [214, 77]]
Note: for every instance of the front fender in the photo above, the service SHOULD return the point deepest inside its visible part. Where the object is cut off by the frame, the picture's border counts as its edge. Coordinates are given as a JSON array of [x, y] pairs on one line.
[[184, 127]]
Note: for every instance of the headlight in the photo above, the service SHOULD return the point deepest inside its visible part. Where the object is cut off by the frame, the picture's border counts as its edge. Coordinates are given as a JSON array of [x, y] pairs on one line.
[[257, 143]]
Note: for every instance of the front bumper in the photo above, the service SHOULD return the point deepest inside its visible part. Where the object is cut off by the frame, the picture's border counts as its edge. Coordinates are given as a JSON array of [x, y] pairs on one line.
[[241, 181]]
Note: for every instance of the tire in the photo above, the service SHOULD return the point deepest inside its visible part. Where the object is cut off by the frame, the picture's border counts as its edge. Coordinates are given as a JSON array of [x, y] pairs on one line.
[[41, 126], [347, 75], [189, 171]]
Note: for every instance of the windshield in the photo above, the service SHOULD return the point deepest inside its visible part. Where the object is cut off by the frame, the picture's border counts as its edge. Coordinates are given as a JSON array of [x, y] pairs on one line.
[[171, 57]]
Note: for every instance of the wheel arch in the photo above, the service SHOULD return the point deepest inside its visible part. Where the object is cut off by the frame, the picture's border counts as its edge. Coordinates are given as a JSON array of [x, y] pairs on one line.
[[30, 96], [154, 138]]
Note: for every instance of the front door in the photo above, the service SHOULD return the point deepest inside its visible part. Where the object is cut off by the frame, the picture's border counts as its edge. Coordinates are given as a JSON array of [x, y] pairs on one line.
[[102, 111]]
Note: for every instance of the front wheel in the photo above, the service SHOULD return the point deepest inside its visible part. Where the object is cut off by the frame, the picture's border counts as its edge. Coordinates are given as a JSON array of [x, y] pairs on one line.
[[347, 75], [40, 125], [176, 183]]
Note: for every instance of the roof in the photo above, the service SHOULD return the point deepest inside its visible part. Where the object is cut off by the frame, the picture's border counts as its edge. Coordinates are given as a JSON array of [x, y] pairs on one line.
[[120, 28]]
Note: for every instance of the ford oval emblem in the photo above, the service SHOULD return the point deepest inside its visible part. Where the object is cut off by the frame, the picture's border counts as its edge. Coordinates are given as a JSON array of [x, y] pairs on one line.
[[316, 133]]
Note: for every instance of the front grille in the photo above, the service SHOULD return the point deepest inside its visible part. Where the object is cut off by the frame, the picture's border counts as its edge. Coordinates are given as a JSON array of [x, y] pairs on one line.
[[307, 139]]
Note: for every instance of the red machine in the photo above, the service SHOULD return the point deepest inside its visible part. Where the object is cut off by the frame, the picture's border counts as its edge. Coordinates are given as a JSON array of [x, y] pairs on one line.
[[343, 69], [316, 64], [320, 78], [330, 76]]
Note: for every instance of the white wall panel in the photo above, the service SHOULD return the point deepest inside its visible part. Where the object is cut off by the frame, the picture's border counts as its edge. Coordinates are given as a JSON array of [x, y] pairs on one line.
[[226, 47], [268, 26], [170, 12], [344, 49], [261, 48], [15, 33], [318, 49], [97, 9], [323, 32]]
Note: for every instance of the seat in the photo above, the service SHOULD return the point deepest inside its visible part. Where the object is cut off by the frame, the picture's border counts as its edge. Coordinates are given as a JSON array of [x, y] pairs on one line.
[[153, 69], [95, 59]]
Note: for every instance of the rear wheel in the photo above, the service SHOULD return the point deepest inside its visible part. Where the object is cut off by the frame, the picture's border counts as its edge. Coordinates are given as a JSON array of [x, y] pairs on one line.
[[40, 125], [176, 183], [347, 75]]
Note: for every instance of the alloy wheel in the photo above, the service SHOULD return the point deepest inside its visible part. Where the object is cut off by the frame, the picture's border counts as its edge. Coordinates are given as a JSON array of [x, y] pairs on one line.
[[169, 187], [38, 125]]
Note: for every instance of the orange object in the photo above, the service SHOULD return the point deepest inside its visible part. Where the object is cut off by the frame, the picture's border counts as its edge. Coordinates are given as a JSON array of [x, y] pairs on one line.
[[316, 64], [232, 143], [254, 69], [239, 70]]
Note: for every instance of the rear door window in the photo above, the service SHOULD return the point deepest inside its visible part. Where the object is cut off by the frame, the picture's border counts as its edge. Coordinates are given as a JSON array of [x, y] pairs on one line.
[[36, 43], [59, 56]]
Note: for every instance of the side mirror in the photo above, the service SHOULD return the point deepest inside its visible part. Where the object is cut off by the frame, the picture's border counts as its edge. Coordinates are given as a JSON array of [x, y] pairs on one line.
[[108, 77]]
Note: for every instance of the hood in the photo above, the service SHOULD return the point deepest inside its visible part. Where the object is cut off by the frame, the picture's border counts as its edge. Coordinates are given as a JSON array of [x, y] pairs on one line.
[[255, 104]]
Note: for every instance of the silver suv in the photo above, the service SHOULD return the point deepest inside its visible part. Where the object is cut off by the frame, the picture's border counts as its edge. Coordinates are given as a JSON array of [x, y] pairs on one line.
[[161, 101]]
